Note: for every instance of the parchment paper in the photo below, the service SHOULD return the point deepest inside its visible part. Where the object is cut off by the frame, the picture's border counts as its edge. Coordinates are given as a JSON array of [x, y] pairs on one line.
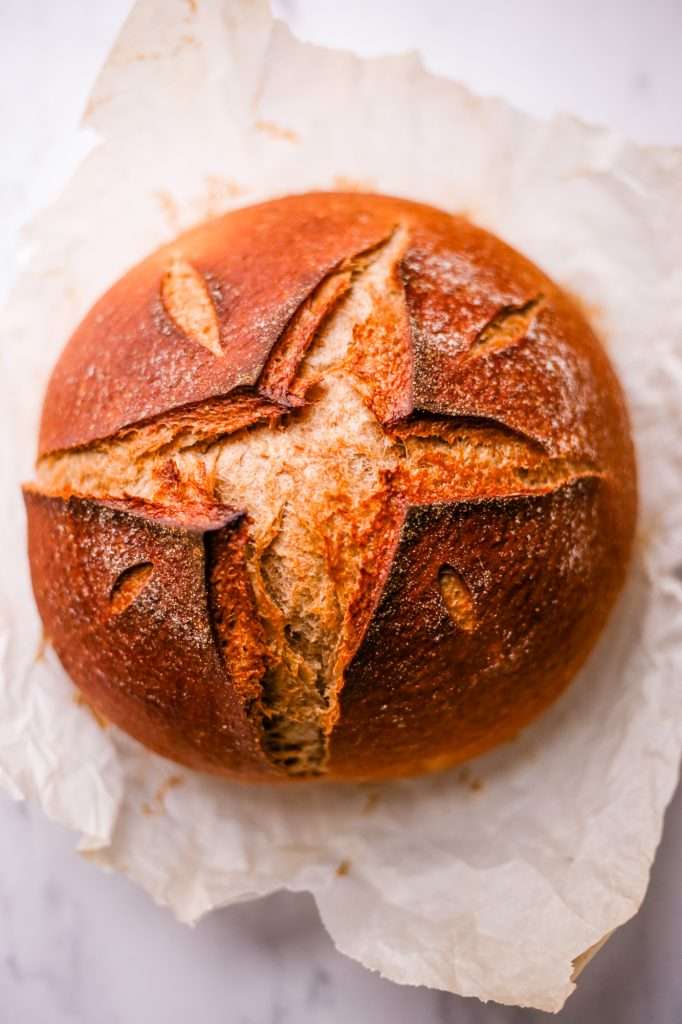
[[488, 881]]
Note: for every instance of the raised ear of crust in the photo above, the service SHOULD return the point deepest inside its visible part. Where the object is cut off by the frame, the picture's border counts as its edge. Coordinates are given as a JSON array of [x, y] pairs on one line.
[[125, 592], [164, 337], [539, 575], [494, 338]]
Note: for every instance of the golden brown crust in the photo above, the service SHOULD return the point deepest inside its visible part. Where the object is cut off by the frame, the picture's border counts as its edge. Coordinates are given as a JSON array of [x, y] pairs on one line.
[[130, 361], [151, 663], [467, 547], [426, 689]]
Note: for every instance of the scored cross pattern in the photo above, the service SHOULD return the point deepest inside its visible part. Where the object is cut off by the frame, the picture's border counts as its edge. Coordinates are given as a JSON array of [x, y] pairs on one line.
[[335, 485], [326, 483]]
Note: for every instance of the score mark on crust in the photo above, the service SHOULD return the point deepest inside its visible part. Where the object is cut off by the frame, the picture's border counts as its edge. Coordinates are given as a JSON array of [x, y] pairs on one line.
[[457, 598], [128, 586], [188, 302], [507, 328]]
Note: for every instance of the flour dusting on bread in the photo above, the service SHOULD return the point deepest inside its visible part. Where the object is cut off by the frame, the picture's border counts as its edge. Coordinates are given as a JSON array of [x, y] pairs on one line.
[[420, 395]]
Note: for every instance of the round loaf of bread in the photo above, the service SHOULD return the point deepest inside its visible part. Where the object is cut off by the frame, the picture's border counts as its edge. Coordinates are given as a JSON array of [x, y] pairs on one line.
[[338, 486]]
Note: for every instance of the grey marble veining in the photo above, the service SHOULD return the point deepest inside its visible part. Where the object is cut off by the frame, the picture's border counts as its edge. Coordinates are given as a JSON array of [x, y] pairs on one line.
[[81, 947]]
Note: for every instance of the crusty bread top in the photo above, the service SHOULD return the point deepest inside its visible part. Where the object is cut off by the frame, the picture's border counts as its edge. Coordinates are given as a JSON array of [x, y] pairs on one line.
[[242, 279], [321, 365]]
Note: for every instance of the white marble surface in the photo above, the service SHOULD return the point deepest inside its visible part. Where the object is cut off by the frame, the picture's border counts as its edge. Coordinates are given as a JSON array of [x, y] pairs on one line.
[[80, 947]]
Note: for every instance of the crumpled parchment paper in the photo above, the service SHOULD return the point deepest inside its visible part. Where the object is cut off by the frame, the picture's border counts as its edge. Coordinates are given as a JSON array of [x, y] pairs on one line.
[[490, 880]]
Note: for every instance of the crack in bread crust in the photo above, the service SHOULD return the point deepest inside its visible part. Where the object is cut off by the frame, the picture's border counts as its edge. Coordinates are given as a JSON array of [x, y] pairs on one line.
[[324, 460], [130, 461], [507, 328], [187, 300]]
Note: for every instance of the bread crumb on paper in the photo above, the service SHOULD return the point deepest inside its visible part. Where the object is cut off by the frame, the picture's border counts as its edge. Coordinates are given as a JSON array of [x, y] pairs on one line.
[[82, 702], [373, 799], [158, 803], [218, 190], [343, 184], [276, 131], [43, 644], [465, 778], [169, 208]]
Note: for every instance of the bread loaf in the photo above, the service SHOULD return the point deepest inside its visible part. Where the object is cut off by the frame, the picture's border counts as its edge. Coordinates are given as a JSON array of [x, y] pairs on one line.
[[336, 487]]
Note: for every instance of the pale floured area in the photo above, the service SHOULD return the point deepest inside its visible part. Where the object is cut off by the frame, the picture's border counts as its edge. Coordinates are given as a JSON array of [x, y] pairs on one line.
[[315, 486]]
